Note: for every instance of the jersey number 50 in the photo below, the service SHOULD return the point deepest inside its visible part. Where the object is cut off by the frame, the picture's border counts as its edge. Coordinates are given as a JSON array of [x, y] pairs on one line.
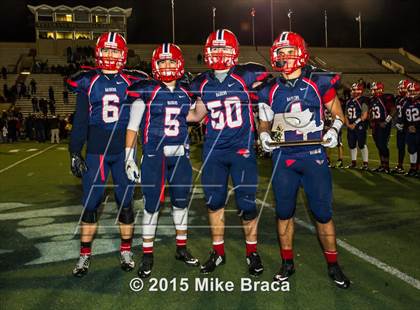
[[226, 113], [110, 111]]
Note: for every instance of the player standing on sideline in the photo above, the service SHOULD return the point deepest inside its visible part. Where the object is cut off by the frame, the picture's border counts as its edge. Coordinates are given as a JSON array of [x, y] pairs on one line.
[[382, 109], [100, 121], [410, 121], [296, 101], [357, 112], [401, 130], [165, 149], [223, 95]]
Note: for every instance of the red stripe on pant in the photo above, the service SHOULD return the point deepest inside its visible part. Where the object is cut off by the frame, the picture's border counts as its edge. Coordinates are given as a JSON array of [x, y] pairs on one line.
[[162, 185], [101, 167]]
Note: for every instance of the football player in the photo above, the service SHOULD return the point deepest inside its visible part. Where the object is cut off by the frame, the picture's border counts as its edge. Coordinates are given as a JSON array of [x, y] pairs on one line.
[[382, 110], [401, 133], [295, 102], [224, 96], [356, 113], [100, 121], [165, 102], [410, 121]]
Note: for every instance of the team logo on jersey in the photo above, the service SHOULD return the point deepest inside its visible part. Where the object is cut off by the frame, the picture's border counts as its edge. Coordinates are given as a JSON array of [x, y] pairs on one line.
[[300, 121], [319, 161], [244, 152]]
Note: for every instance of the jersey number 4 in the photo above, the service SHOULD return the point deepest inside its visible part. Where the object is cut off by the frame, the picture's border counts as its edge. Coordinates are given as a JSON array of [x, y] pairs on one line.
[[110, 111], [225, 113]]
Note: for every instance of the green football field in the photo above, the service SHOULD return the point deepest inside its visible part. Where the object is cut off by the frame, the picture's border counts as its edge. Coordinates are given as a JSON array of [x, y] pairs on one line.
[[377, 218]]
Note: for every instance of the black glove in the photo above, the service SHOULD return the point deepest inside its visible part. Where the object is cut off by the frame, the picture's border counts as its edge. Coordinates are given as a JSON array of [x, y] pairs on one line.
[[77, 165]]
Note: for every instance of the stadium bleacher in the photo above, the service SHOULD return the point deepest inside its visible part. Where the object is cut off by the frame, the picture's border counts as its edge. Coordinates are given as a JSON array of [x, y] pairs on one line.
[[353, 63]]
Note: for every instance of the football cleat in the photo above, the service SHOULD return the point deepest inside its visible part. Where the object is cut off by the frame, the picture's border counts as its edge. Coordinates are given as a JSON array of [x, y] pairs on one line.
[[352, 166], [214, 261], [286, 270], [184, 255], [339, 164], [255, 267], [397, 170], [145, 269], [82, 266], [337, 275], [411, 173], [379, 169], [126, 260], [364, 167]]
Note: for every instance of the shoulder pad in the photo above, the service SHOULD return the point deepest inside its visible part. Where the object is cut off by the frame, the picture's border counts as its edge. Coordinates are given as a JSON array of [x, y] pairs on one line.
[[80, 80], [138, 88], [135, 75], [198, 80]]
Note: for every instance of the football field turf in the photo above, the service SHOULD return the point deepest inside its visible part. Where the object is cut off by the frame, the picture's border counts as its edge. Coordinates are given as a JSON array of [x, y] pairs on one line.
[[378, 227]]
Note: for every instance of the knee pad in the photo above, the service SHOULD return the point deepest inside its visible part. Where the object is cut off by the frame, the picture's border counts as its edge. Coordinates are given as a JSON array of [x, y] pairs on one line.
[[248, 215], [323, 216], [90, 216], [126, 215], [213, 207]]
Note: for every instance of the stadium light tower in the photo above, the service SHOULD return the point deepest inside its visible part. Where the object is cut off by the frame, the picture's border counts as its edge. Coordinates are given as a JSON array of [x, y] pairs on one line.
[[253, 25], [173, 20], [214, 19], [272, 21], [326, 27], [289, 15], [359, 20]]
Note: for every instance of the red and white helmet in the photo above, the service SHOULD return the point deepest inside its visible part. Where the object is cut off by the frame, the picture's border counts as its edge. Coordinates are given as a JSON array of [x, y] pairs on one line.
[[279, 61], [356, 90], [402, 87], [377, 88], [163, 52], [113, 41], [221, 60], [413, 89]]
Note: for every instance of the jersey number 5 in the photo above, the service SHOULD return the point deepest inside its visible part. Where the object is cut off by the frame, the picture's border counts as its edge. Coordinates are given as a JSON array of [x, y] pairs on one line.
[[171, 122], [110, 111]]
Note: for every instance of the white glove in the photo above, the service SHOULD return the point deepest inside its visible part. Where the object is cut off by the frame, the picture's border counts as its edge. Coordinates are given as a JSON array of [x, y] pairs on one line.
[[132, 171], [330, 138], [265, 142], [399, 126]]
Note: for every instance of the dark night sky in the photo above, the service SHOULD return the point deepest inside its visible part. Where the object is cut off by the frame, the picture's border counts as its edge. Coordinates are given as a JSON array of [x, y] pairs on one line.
[[386, 23]]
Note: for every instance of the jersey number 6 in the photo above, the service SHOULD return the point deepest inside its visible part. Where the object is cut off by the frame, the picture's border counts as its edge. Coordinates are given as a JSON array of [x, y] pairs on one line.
[[109, 110]]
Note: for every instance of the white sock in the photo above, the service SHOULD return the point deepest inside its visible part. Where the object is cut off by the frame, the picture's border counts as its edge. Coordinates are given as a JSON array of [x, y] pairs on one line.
[[180, 217], [365, 154], [353, 153], [413, 158], [149, 224]]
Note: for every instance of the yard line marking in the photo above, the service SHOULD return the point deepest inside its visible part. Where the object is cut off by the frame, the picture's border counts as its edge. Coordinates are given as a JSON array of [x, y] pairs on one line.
[[25, 159], [370, 259], [356, 252]]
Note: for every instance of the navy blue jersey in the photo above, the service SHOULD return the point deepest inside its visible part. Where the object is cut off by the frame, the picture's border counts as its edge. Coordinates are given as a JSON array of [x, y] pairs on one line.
[[380, 107], [302, 102], [354, 108], [230, 120], [101, 114], [399, 103], [165, 118], [411, 112]]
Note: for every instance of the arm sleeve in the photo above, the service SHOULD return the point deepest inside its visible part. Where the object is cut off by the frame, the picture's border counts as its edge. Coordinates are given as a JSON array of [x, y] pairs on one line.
[[79, 130], [265, 113], [136, 114], [328, 84]]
